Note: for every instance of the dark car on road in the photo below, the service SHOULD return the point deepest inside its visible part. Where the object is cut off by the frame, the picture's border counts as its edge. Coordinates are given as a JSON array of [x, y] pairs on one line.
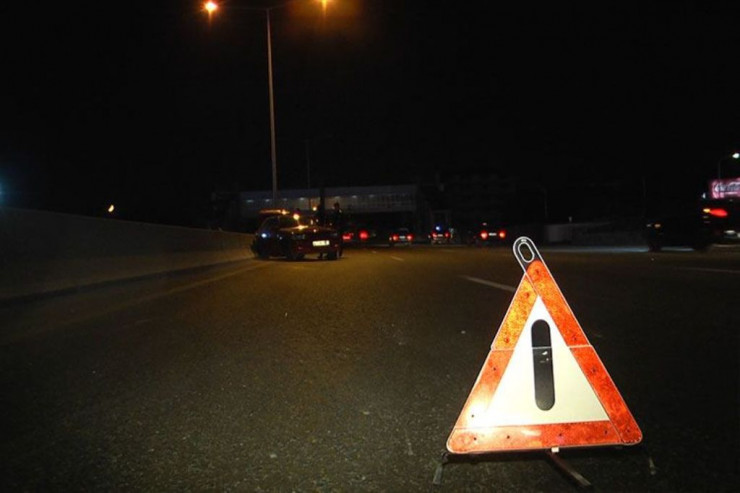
[[400, 236], [440, 235], [294, 236], [710, 222], [721, 221], [354, 235], [487, 235]]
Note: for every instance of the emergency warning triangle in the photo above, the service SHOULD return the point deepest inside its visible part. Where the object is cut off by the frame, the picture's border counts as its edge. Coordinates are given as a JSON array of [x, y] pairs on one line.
[[542, 385]]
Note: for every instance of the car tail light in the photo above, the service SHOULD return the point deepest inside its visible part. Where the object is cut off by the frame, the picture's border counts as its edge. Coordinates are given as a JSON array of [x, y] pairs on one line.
[[484, 235], [363, 235], [394, 237], [347, 236], [716, 212], [447, 234], [502, 234], [410, 237]]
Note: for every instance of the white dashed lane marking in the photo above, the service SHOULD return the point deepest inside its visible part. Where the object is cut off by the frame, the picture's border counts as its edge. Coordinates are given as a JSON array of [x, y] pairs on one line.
[[704, 269], [503, 287]]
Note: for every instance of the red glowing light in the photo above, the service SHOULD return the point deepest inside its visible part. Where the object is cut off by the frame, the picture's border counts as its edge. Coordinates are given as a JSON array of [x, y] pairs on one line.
[[716, 212]]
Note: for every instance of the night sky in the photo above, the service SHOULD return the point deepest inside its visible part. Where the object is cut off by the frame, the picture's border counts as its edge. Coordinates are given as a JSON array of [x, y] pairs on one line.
[[152, 107]]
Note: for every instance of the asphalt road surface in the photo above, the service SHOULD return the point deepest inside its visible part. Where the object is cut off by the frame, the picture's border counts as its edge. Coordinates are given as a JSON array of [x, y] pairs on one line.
[[349, 375]]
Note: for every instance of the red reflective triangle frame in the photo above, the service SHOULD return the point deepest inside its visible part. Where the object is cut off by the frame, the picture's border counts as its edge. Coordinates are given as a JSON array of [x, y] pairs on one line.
[[619, 429]]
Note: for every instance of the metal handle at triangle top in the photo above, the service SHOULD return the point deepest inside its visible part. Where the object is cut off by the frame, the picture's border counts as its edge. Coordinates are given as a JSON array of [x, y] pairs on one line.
[[526, 252]]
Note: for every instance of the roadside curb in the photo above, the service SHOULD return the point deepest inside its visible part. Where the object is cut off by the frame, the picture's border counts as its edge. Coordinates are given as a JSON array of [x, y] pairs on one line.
[[7, 301]]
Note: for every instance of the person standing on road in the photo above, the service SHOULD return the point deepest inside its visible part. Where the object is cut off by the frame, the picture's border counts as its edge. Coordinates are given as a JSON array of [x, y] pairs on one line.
[[336, 217]]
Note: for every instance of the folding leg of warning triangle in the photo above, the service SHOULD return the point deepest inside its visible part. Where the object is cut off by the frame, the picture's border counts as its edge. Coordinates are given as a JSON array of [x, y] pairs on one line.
[[542, 385]]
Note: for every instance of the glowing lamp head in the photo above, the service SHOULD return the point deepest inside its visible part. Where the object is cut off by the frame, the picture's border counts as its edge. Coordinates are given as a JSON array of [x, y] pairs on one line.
[[210, 7]]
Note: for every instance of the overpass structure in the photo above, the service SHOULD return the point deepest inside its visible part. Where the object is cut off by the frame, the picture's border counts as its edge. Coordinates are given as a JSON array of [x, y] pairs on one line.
[[383, 206]]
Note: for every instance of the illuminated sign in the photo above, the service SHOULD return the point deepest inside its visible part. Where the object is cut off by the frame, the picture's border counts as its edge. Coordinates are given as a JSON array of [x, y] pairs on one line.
[[725, 189]]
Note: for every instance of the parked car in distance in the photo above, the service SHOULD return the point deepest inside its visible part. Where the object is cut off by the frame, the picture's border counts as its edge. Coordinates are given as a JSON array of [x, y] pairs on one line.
[[293, 236], [356, 236], [400, 236], [487, 235], [440, 236], [721, 221], [706, 223]]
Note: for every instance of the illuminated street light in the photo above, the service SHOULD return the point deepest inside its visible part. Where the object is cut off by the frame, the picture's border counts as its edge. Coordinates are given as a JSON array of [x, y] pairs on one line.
[[211, 7], [735, 155]]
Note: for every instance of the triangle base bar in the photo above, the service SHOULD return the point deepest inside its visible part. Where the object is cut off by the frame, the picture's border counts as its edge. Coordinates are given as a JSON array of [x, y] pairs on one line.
[[533, 437]]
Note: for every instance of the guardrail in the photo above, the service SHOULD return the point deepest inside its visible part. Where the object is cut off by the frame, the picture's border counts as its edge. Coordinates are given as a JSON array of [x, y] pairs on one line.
[[47, 252]]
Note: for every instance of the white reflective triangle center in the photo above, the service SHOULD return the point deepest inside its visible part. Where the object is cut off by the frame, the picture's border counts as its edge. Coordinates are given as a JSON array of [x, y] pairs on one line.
[[513, 402]]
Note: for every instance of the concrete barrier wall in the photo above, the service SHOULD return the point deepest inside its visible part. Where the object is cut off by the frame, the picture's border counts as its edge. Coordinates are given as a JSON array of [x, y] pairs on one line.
[[602, 233], [43, 252]]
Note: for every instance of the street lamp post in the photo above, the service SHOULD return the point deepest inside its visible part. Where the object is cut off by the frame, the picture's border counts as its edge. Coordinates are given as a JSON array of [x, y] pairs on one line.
[[273, 149], [210, 7], [735, 155], [307, 144]]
